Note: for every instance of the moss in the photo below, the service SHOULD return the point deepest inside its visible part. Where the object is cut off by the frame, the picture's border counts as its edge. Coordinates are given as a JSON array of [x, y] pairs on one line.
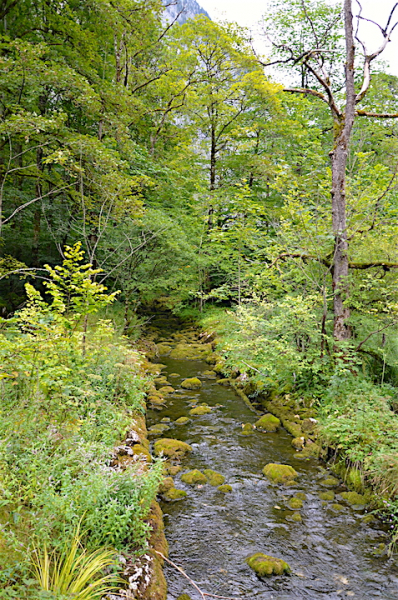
[[279, 473], [294, 518], [166, 485], [163, 349], [156, 400], [295, 503], [170, 469], [139, 450], [171, 448], [368, 519], [298, 443], [184, 597], [157, 589], [192, 383], [268, 423], [219, 368], [354, 498], [194, 477], [330, 482], [265, 565], [225, 489], [167, 389], [309, 426], [224, 381], [161, 380], [200, 410], [354, 480], [209, 374], [188, 352], [166, 420], [329, 496], [301, 495], [174, 375], [215, 479], [310, 449], [337, 507], [292, 428], [247, 429], [174, 494], [182, 421]]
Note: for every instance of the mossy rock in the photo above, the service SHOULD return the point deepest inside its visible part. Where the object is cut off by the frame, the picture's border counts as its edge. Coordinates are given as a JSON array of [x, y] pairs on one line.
[[266, 566], [174, 494], [219, 368], [163, 349], [171, 469], [293, 428], [166, 390], [294, 518], [329, 496], [184, 597], [156, 400], [182, 421], [298, 443], [166, 420], [247, 429], [311, 450], [139, 450], [354, 498], [171, 448], [225, 489], [368, 519], [224, 381], [295, 503], [309, 425], [330, 482], [209, 374], [193, 383], [194, 477], [161, 380], [301, 495], [268, 423], [174, 375], [337, 507], [279, 473], [200, 410], [166, 485], [186, 352], [215, 479]]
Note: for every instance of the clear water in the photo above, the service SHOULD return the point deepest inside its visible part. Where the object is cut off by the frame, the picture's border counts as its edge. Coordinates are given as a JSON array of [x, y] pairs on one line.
[[210, 534]]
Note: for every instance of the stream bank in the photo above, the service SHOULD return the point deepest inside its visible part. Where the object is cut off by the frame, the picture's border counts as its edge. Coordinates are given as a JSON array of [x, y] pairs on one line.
[[327, 540]]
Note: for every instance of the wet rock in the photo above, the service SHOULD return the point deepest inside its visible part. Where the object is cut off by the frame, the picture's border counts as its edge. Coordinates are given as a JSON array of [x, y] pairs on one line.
[[171, 469], [329, 496], [174, 375], [174, 494], [298, 443], [295, 503], [354, 498], [330, 482], [167, 390], [215, 479], [194, 477], [166, 485], [294, 518], [265, 565], [209, 374], [166, 420], [200, 410], [247, 429], [182, 421], [337, 507], [171, 448], [161, 381], [156, 400], [268, 423], [225, 489], [163, 349], [280, 473], [193, 383]]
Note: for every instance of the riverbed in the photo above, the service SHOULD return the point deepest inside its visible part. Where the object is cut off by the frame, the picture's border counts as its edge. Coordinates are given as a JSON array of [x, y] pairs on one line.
[[333, 552]]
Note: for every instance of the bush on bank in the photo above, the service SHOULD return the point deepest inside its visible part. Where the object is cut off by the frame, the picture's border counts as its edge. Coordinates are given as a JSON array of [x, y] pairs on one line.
[[68, 396]]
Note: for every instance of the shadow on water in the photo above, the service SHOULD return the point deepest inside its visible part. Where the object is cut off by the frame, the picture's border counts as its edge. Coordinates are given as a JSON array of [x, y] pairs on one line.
[[331, 552]]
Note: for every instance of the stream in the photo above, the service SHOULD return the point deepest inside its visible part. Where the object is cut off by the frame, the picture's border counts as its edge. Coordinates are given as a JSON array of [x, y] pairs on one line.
[[332, 553]]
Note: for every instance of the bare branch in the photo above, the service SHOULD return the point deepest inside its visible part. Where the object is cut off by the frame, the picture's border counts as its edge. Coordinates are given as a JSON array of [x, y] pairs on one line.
[[23, 206], [307, 92]]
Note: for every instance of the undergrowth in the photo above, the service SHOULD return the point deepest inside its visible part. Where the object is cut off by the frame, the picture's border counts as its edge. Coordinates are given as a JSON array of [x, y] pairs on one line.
[[68, 396]]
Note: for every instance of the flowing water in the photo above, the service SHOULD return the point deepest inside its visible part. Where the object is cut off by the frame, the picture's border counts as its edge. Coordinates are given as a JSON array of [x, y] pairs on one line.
[[331, 553]]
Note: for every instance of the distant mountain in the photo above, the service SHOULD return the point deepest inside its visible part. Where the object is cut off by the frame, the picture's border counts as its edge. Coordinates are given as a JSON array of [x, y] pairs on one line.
[[190, 9]]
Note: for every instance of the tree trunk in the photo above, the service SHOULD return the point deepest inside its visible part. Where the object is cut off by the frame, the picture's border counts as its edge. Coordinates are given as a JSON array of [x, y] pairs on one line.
[[342, 132]]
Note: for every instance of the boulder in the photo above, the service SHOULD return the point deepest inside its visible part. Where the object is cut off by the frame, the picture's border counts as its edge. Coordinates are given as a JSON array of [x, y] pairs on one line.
[[280, 473], [295, 503], [192, 383], [354, 498], [215, 479], [265, 565], [200, 410], [182, 421], [194, 477], [268, 423], [225, 489], [171, 448], [174, 494], [167, 389]]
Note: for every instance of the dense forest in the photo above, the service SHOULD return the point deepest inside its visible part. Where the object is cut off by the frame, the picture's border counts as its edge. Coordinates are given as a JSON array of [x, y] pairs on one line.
[[146, 163]]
